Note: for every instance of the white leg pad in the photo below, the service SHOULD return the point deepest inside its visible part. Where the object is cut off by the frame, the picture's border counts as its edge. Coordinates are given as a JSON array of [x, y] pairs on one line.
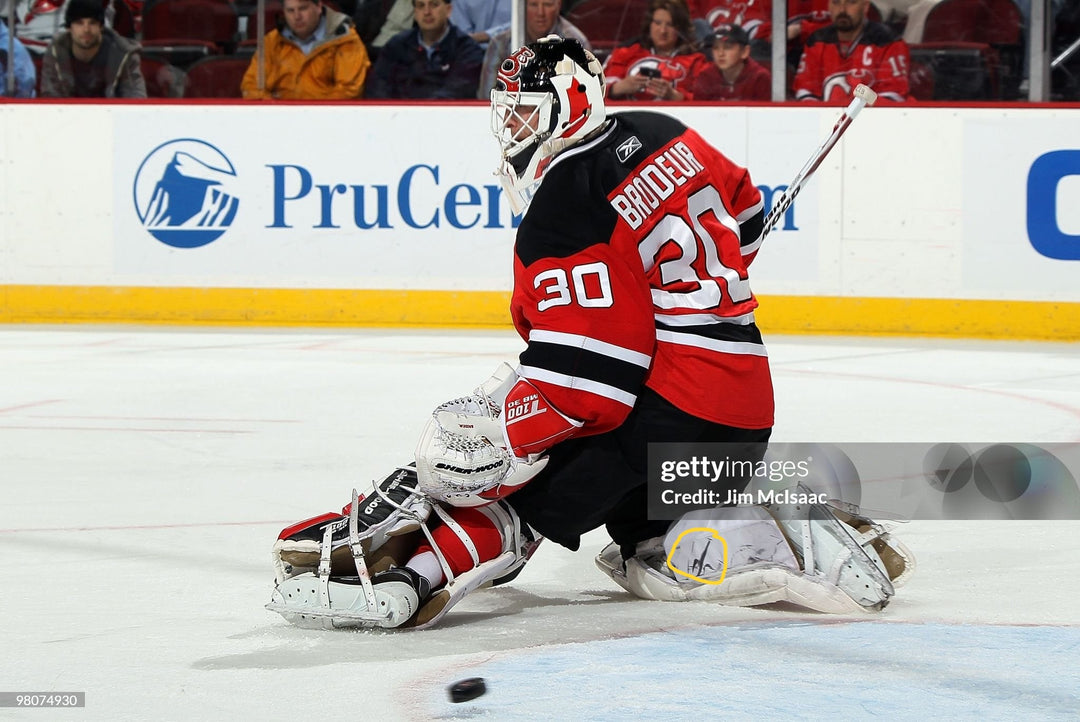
[[763, 584], [840, 571]]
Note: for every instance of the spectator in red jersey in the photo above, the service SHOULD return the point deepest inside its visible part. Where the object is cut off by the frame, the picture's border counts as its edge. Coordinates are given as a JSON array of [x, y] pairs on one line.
[[851, 51], [733, 74], [660, 64]]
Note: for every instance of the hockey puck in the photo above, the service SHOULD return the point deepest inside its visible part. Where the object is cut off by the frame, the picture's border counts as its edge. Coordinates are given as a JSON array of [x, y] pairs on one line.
[[466, 689]]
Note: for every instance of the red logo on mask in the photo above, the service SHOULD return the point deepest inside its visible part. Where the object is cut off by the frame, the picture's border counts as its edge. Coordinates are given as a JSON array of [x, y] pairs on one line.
[[579, 108], [510, 70]]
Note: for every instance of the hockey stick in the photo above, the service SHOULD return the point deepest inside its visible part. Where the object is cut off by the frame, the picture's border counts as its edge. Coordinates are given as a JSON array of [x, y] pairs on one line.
[[863, 97]]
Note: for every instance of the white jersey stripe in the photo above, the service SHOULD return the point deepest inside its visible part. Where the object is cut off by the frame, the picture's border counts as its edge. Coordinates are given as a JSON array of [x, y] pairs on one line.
[[712, 344], [591, 344], [576, 382], [703, 319], [751, 247]]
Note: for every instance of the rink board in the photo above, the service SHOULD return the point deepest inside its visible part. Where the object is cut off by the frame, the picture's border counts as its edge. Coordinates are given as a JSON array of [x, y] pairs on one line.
[[942, 221]]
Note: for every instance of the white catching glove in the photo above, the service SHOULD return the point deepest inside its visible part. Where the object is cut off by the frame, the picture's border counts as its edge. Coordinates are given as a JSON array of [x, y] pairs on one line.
[[463, 457]]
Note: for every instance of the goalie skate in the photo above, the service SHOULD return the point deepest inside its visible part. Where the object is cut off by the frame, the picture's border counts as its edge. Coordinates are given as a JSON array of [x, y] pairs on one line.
[[392, 510], [308, 601]]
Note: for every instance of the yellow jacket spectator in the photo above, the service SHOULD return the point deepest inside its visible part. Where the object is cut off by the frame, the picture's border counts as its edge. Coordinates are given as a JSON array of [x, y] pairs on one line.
[[317, 55]]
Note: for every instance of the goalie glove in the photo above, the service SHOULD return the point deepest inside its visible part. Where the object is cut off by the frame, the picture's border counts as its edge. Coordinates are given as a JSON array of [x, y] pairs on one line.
[[466, 457]]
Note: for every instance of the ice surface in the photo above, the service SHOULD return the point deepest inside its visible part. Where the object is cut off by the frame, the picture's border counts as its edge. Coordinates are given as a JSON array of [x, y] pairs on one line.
[[145, 473]]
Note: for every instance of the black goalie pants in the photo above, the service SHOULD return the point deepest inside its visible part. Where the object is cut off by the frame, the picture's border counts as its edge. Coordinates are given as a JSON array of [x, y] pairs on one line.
[[601, 480]]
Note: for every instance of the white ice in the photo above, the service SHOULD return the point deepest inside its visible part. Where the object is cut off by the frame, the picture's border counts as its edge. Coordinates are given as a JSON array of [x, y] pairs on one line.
[[145, 474]]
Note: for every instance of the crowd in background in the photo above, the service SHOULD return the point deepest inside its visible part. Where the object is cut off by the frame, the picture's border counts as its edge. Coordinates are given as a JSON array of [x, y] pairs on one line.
[[653, 50]]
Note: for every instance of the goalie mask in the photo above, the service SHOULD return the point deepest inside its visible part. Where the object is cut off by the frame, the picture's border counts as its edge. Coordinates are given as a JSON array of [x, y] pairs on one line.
[[549, 96]]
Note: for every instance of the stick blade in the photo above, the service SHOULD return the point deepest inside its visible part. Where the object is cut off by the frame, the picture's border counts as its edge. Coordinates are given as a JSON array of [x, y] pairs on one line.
[[864, 93]]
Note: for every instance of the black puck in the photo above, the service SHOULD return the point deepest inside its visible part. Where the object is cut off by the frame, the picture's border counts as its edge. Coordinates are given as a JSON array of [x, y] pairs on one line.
[[466, 689]]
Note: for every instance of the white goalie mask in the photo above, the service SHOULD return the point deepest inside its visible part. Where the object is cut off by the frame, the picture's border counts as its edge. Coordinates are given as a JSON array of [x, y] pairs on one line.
[[549, 96]]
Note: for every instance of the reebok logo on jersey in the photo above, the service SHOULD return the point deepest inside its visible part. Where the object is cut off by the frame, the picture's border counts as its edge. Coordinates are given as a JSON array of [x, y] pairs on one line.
[[628, 147], [644, 191]]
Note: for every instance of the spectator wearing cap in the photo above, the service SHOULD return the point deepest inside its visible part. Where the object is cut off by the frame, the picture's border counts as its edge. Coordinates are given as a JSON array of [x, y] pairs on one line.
[[733, 74], [89, 60]]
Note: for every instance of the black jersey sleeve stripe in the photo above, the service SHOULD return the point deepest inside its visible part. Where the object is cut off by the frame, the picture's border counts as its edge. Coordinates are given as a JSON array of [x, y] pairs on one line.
[[584, 364], [750, 232]]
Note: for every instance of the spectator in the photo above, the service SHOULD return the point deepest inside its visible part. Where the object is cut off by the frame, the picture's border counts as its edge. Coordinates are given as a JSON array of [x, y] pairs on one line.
[[659, 65], [89, 60], [733, 74], [432, 60], [317, 55], [25, 75], [482, 19], [379, 20], [542, 18], [850, 51]]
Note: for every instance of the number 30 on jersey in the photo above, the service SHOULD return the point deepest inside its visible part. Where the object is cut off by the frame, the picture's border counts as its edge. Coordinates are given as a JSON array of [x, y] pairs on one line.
[[589, 285]]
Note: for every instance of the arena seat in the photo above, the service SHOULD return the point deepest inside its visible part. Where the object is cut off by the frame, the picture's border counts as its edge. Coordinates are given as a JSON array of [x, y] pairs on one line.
[[997, 24], [186, 30], [163, 79], [217, 76], [961, 71]]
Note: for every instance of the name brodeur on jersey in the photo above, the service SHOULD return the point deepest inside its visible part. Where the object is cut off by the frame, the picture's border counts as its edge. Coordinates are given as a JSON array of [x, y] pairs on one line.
[[643, 191]]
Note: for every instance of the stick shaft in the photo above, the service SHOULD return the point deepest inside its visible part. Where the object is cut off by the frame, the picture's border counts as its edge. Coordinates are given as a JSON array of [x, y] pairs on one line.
[[863, 97]]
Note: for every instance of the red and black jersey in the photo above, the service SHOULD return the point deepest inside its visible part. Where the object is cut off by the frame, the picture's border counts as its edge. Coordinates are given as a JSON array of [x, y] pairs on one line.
[[630, 59], [630, 268], [753, 83], [829, 70]]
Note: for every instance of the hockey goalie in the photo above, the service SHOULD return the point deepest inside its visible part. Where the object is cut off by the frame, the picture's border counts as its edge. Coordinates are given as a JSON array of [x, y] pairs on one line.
[[632, 292]]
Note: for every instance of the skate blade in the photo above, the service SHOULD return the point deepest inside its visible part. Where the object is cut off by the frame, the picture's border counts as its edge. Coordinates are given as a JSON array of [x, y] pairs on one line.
[[323, 618]]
